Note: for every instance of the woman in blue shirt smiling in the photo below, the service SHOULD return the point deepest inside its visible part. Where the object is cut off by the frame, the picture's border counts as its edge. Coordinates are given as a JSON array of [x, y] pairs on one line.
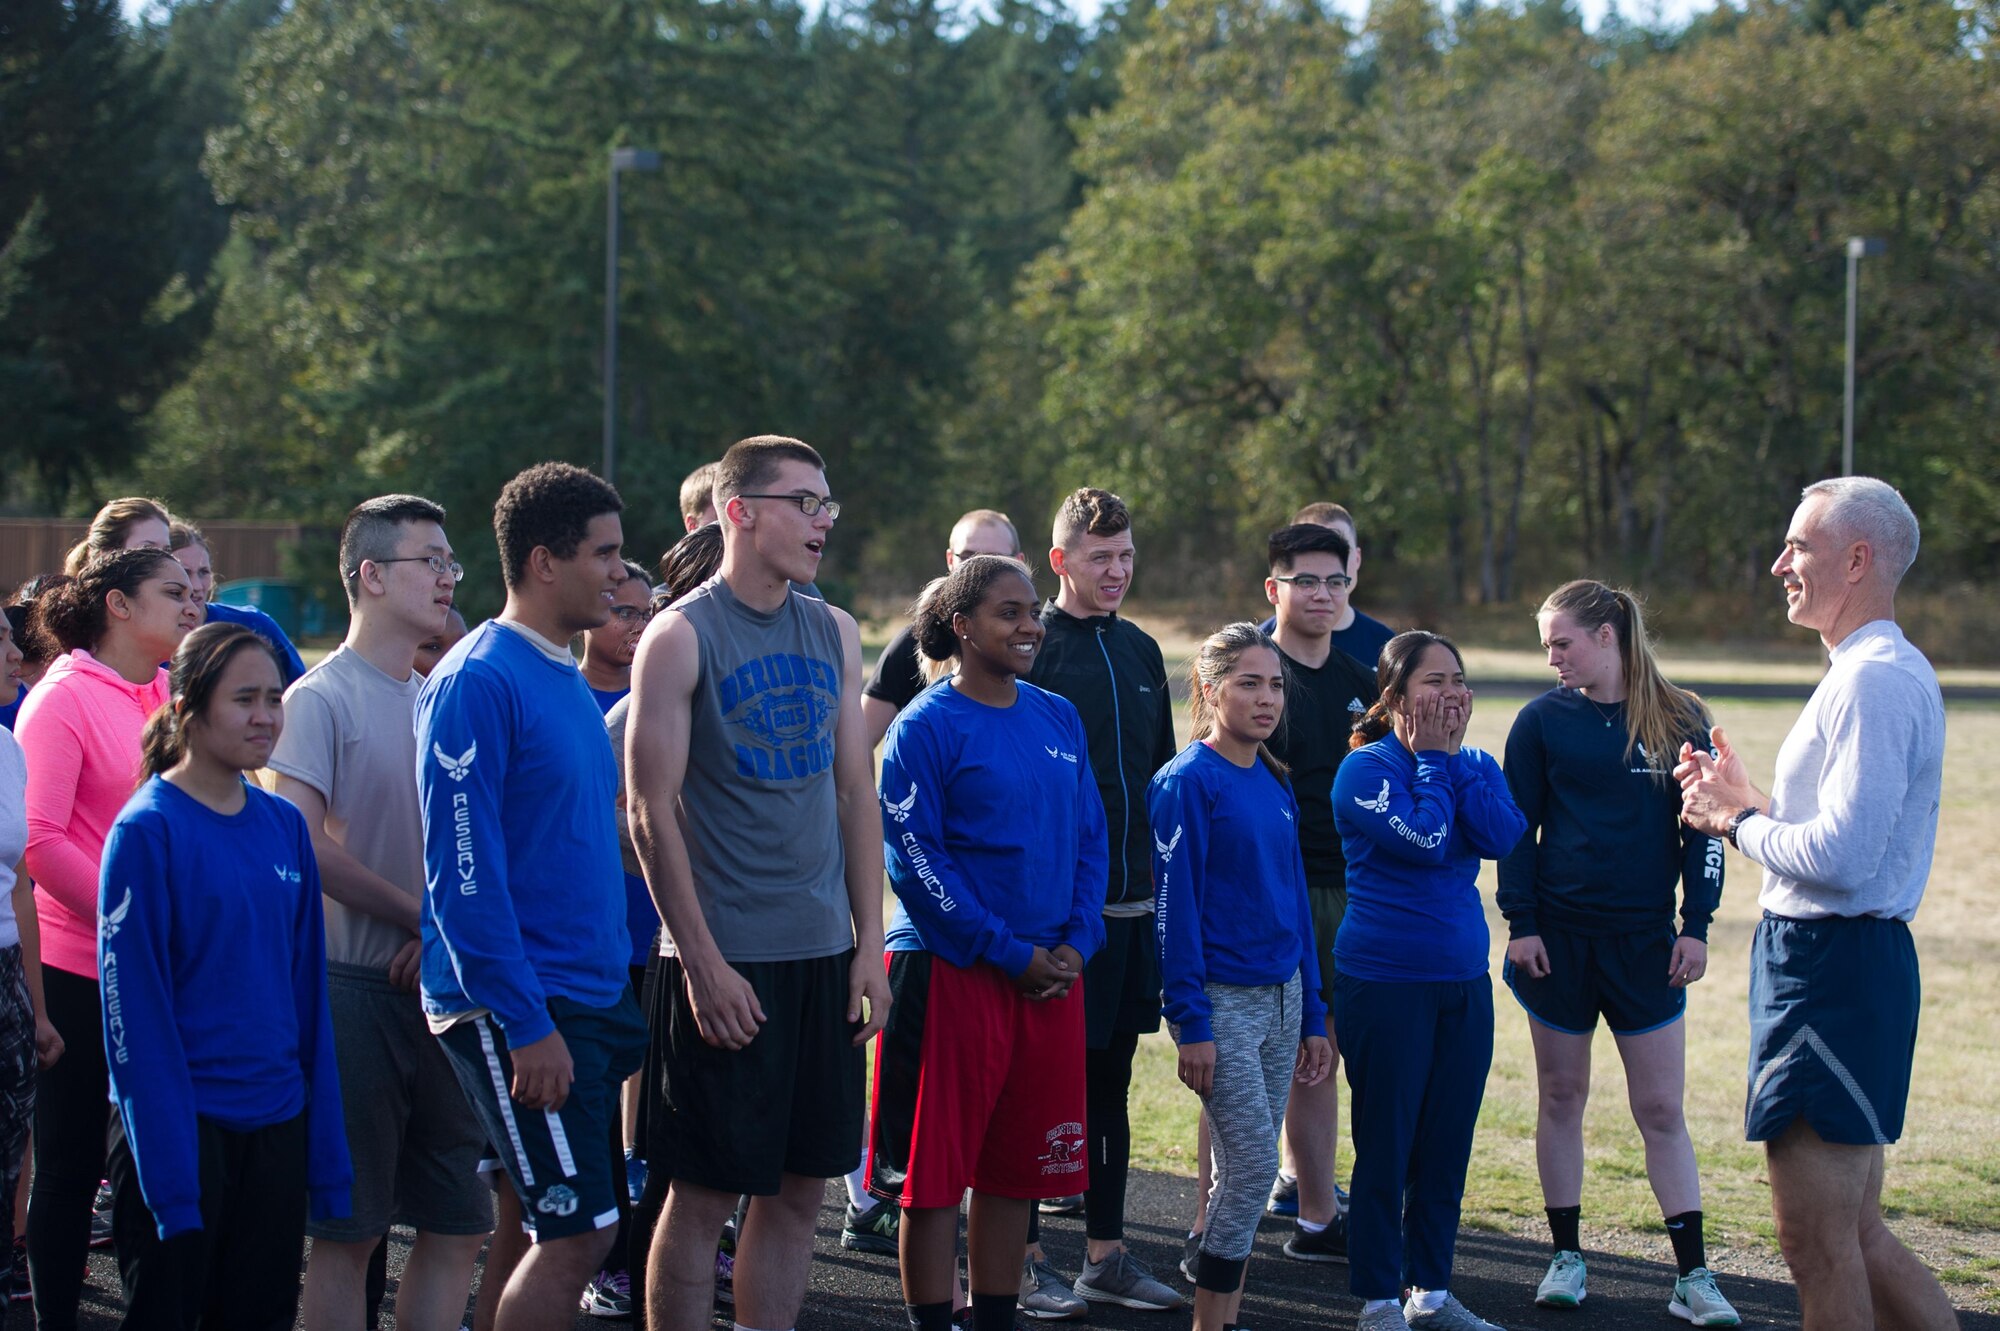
[[1413, 1005], [997, 851]]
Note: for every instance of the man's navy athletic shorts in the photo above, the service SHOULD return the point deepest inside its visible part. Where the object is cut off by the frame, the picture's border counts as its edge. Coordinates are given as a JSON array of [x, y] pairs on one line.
[[789, 1102], [976, 1086], [1833, 1028], [555, 1158], [1621, 976]]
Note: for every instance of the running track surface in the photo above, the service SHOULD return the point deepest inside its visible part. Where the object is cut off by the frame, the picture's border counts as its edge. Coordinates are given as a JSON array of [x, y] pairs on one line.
[[1495, 1276]]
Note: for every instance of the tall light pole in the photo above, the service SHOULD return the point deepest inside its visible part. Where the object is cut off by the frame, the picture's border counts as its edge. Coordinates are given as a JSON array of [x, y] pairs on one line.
[[1858, 248], [622, 159]]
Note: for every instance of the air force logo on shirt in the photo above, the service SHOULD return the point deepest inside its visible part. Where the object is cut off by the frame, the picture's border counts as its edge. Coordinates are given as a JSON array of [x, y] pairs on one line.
[[1380, 804], [900, 809], [785, 705], [1058, 753], [456, 768]]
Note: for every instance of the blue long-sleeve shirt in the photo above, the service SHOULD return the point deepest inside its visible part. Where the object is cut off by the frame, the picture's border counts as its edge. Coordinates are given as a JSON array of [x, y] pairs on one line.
[[212, 951], [1605, 845], [1229, 887], [1414, 827], [993, 829], [524, 893]]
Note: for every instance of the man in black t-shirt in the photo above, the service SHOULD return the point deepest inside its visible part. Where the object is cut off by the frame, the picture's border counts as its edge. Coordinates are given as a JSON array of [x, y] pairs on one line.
[[1326, 690], [899, 675]]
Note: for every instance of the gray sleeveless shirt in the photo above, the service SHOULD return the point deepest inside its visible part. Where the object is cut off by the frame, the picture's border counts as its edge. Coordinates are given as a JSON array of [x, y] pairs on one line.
[[763, 827]]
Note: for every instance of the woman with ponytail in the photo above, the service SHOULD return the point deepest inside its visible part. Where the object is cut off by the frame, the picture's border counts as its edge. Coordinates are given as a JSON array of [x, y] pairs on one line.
[[1241, 983], [112, 625], [1589, 901], [998, 856], [1417, 811], [213, 956]]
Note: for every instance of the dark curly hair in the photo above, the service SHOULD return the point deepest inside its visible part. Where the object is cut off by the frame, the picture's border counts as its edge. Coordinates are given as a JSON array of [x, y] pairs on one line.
[[691, 561], [1392, 678], [193, 677], [958, 592], [71, 614], [549, 505]]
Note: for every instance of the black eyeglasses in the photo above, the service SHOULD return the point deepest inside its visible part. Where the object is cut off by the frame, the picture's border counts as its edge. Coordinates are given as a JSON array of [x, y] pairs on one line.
[[810, 505], [628, 614], [1312, 582], [439, 564]]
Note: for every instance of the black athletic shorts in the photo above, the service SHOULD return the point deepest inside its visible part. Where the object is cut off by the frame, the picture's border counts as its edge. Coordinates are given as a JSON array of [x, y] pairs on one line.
[[1121, 984], [1622, 976], [790, 1102]]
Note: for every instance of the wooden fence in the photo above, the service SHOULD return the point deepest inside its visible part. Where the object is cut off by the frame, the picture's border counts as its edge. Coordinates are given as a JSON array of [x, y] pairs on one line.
[[238, 549]]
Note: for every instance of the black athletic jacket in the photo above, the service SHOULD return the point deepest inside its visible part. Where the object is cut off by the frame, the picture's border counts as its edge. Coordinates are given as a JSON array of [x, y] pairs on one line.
[[1115, 676]]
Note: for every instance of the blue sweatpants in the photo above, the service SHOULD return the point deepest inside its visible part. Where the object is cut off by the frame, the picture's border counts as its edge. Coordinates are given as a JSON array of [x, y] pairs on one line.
[[1416, 1056]]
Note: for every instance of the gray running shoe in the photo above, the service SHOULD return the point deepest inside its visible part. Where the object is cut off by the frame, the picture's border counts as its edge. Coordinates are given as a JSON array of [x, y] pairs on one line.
[[1565, 1286], [1044, 1295], [1697, 1300], [1389, 1317], [1451, 1315], [1121, 1279]]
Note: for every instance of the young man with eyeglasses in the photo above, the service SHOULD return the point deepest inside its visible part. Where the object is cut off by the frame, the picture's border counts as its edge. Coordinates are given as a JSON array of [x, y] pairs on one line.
[[1361, 636], [751, 800], [351, 770], [1113, 672], [1326, 691]]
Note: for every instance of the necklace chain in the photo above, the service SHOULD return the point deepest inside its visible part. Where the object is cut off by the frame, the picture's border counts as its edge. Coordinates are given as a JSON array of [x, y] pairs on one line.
[[1599, 707]]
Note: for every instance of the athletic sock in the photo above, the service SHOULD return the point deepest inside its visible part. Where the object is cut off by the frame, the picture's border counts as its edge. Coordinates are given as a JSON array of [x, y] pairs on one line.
[[1310, 1227], [929, 1316], [1564, 1222], [1428, 1300], [993, 1312], [1690, 1250], [1375, 1305], [857, 1188]]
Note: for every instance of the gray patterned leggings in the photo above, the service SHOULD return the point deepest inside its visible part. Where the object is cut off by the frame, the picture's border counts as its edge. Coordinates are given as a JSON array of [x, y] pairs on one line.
[[1256, 1046]]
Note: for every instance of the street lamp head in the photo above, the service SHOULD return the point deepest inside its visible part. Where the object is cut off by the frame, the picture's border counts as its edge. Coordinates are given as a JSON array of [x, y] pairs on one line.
[[635, 159], [1866, 247]]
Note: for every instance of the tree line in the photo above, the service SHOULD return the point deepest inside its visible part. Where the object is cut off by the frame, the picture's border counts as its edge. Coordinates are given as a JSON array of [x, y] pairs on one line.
[[1534, 299]]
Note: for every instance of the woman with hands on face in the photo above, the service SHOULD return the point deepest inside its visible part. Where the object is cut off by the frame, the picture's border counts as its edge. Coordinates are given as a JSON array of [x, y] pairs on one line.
[[1417, 811], [1240, 978], [1589, 900], [997, 852]]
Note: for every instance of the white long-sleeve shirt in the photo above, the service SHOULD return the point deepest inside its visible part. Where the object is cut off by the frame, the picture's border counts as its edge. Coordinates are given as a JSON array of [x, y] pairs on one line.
[[1854, 809]]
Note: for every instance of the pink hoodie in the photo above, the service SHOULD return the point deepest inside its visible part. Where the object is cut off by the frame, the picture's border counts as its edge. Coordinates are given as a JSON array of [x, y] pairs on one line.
[[80, 730]]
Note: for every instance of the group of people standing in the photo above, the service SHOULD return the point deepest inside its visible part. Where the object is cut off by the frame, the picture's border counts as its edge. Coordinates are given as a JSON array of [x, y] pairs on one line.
[[586, 956]]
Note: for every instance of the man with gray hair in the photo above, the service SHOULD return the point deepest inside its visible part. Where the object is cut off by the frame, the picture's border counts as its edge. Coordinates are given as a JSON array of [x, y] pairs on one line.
[[1845, 838]]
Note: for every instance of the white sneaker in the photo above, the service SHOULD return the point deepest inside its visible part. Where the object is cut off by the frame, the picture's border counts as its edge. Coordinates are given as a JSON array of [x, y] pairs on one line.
[[1451, 1315], [1563, 1286], [1697, 1300]]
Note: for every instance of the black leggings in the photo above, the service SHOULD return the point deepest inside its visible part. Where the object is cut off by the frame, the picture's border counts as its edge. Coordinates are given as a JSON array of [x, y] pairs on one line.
[[72, 1107], [1107, 1133]]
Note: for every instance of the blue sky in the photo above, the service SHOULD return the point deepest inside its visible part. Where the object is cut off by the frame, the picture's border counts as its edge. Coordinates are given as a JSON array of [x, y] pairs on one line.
[[1670, 11]]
